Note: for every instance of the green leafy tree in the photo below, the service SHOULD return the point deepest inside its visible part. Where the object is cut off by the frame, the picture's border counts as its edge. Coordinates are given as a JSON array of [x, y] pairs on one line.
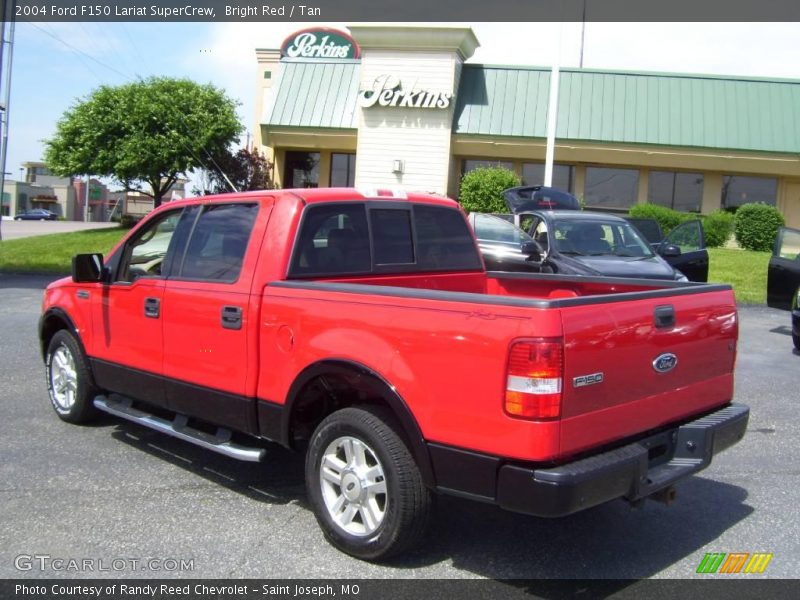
[[246, 169], [147, 133], [482, 189]]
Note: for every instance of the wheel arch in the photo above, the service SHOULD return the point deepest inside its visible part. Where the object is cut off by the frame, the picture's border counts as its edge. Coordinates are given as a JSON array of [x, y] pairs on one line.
[[52, 321], [369, 387]]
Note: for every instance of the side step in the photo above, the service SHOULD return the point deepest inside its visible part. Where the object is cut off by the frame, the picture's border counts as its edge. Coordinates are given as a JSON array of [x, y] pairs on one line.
[[178, 427]]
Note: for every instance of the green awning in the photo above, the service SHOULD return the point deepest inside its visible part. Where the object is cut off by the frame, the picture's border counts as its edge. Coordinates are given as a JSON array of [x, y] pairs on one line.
[[315, 94]]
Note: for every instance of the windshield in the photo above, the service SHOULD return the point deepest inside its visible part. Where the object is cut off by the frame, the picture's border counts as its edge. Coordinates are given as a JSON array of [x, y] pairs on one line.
[[599, 238], [495, 229]]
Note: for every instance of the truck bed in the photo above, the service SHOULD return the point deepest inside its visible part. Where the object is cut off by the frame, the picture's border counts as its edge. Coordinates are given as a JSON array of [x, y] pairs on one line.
[[437, 328]]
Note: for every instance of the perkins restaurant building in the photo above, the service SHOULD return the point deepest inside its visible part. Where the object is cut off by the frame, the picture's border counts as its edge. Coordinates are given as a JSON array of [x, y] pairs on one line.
[[399, 107]]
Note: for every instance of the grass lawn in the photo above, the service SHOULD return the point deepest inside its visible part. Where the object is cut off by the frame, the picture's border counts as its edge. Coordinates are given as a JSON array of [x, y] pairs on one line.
[[53, 253], [745, 270]]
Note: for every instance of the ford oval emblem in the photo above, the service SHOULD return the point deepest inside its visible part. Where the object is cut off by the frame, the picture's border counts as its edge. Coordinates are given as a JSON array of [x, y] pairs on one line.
[[665, 362]]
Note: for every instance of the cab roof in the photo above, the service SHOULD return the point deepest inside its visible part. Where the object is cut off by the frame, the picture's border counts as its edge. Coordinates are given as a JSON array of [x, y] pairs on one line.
[[318, 195]]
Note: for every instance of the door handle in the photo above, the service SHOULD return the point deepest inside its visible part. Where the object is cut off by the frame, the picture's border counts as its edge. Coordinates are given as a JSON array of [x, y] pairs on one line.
[[664, 316], [231, 317], [152, 308]]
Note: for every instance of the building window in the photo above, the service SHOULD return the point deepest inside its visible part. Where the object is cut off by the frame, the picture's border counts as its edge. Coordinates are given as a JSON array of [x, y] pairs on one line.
[[563, 176], [472, 164], [738, 190], [343, 170], [301, 170], [611, 188], [679, 191]]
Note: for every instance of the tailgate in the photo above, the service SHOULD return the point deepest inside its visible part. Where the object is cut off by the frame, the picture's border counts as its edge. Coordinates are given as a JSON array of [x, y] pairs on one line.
[[634, 366]]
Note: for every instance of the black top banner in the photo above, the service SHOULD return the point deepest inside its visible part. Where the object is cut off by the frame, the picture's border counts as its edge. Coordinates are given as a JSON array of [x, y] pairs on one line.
[[403, 10]]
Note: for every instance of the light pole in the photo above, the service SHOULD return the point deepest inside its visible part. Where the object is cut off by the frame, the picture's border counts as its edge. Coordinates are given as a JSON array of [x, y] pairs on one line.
[[8, 17]]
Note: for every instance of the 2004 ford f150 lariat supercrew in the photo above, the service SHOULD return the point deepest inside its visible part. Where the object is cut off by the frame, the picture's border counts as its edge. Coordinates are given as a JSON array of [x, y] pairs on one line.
[[364, 331]]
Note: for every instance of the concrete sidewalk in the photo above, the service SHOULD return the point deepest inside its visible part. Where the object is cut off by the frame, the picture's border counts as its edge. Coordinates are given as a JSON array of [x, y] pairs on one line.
[[12, 230]]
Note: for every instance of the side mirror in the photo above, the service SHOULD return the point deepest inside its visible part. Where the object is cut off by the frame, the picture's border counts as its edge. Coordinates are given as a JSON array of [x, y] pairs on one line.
[[670, 251], [531, 247], [87, 268]]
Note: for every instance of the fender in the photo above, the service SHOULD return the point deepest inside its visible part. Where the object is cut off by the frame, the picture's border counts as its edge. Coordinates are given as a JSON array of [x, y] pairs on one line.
[[61, 315], [381, 388]]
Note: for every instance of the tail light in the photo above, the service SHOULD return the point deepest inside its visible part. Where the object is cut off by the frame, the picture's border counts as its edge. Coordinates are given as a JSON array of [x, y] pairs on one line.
[[534, 379]]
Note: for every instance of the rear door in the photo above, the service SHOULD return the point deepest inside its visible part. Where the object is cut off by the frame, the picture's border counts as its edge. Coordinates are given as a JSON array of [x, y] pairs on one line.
[[207, 318], [783, 275], [693, 258]]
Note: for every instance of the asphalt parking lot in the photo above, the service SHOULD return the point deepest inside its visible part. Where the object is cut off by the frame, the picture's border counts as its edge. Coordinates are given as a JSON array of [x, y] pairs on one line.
[[116, 490]]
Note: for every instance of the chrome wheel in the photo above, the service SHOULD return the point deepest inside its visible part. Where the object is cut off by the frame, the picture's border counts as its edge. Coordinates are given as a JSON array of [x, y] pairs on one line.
[[63, 378], [353, 486]]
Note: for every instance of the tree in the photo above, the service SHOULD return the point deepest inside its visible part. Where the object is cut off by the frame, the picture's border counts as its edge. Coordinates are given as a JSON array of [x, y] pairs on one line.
[[246, 169], [148, 132], [482, 189]]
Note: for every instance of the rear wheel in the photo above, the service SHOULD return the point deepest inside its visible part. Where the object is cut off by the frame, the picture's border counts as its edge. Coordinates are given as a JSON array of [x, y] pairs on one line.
[[365, 488], [68, 380]]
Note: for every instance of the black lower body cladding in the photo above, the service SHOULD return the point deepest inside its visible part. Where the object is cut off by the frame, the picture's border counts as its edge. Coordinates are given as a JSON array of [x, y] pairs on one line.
[[632, 471]]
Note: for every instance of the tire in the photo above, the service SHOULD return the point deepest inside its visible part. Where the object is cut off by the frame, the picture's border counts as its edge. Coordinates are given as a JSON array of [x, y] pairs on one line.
[[370, 500], [796, 340], [69, 381]]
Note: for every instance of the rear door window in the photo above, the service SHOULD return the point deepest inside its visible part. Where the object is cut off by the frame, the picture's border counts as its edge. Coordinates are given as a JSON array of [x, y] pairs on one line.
[[218, 243]]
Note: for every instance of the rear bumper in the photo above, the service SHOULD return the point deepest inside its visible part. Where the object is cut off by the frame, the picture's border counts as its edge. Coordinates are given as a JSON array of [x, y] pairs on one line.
[[632, 472]]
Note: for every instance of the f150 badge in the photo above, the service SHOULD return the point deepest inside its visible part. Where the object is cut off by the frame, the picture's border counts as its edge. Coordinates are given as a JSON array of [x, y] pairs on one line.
[[585, 380], [665, 362]]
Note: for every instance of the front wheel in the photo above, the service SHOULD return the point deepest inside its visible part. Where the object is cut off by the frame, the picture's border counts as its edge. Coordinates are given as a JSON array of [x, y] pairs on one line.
[[68, 379], [364, 486]]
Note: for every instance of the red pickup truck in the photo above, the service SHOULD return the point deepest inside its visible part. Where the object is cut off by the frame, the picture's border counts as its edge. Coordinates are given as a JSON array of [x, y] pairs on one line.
[[364, 331]]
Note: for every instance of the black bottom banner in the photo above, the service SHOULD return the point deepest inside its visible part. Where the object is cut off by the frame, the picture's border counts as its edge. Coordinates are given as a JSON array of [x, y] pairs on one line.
[[395, 589]]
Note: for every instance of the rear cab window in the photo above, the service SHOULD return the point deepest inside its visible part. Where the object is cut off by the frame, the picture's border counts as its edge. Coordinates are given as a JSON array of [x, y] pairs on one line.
[[381, 237]]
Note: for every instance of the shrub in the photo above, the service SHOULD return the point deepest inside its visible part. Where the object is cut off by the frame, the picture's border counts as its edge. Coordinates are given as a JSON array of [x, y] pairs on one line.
[[482, 189], [718, 227], [128, 221], [667, 218], [756, 226]]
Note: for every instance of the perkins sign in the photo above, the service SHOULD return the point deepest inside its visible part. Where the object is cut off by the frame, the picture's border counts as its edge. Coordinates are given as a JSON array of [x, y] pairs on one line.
[[320, 43], [387, 91]]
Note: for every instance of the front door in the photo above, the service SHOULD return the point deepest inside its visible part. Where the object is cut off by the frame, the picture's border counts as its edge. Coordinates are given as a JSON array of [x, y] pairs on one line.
[[693, 259], [127, 314], [783, 275]]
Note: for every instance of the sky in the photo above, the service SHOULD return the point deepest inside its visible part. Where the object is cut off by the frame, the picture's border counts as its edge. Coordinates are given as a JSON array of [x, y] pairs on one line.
[[57, 64]]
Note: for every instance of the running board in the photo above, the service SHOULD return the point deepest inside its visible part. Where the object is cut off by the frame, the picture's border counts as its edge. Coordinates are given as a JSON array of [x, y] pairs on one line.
[[178, 427]]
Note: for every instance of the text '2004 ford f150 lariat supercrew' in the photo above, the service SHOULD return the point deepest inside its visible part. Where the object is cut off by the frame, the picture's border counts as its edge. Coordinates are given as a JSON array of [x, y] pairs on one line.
[[364, 330]]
